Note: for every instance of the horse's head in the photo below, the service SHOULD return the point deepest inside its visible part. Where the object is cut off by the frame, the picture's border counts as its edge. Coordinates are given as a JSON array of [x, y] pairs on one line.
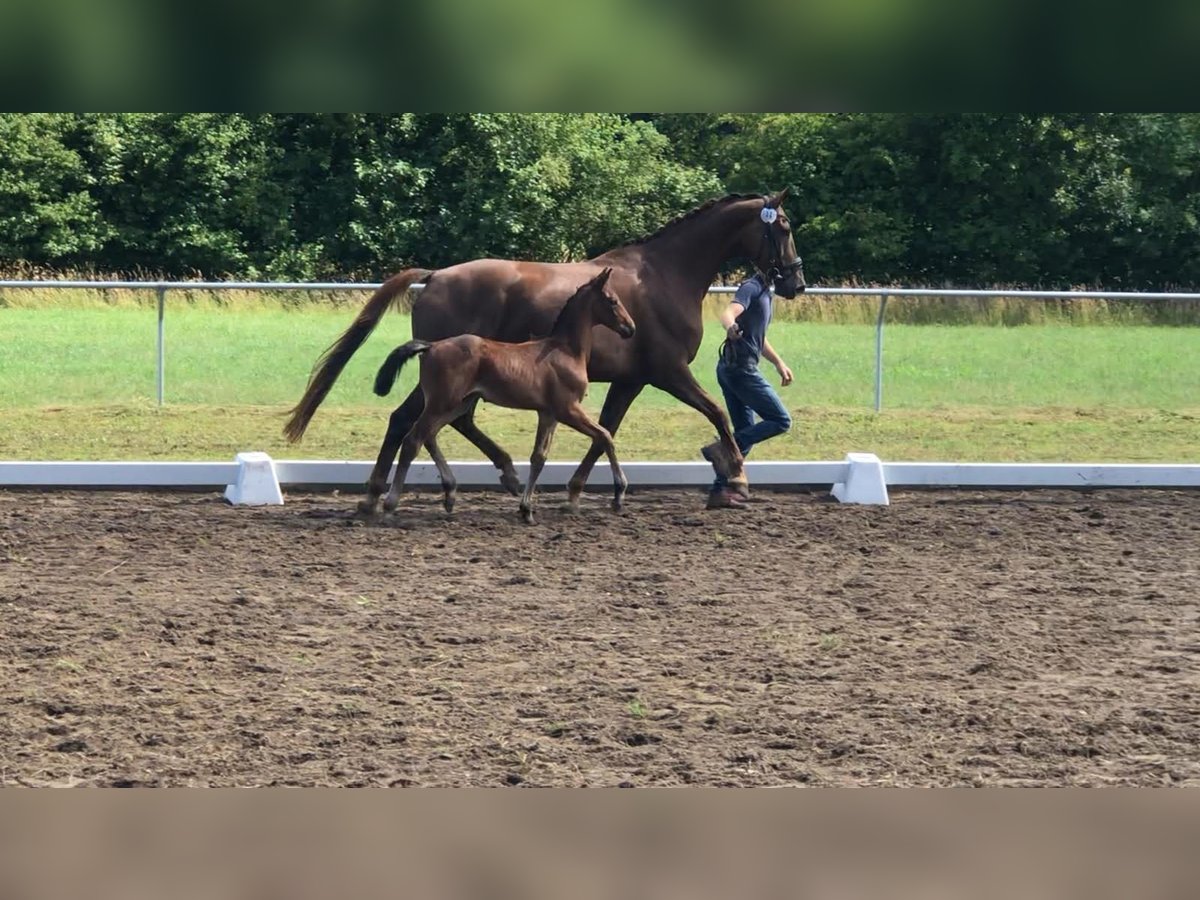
[[775, 253], [607, 307]]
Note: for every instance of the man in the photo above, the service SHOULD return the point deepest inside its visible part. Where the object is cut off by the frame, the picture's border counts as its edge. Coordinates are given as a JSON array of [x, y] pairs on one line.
[[746, 392]]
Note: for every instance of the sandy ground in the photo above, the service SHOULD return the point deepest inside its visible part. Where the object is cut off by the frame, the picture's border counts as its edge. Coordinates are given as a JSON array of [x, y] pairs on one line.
[[953, 638]]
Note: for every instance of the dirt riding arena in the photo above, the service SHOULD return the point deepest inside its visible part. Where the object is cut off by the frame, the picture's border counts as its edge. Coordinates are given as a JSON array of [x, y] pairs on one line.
[[953, 638]]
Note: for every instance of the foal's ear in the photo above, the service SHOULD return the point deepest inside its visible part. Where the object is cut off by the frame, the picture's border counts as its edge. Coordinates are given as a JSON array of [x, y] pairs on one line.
[[602, 279], [778, 199]]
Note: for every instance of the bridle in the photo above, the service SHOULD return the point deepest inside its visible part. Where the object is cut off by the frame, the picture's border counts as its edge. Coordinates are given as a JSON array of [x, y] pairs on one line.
[[778, 268]]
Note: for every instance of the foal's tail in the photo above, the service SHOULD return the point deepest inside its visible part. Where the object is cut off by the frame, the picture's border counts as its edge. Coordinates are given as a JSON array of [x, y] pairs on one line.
[[330, 364], [386, 377]]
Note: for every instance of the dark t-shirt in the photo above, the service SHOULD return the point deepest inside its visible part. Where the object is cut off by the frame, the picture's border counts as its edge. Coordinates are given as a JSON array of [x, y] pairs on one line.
[[754, 295]]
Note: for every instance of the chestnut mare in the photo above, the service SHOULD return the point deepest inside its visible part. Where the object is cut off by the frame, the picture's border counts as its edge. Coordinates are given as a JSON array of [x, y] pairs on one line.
[[548, 375], [662, 279]]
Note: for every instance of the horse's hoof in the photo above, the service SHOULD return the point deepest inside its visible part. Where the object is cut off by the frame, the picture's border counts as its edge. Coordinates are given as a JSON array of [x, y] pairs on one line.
[[449, 504], [527, 516], [739, 483], [720, 459], [511, 483], [390, 504], [368, 507]]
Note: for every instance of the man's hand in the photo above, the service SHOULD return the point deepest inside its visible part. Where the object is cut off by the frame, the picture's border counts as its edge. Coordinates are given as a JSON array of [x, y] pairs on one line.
[[733, 332], [785, 374]]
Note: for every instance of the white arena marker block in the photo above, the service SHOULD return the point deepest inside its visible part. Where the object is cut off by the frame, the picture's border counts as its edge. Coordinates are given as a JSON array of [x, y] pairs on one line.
[[864, 481], [257, 484]]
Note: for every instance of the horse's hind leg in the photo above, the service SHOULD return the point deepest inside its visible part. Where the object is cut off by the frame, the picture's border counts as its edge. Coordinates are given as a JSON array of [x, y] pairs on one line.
[[399, 425], [541, 450], [449, 483], [602, 441], [465, 425], [616, 404]]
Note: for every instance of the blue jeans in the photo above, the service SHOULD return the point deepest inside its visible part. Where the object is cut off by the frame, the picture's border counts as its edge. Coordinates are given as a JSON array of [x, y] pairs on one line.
[[748, 394]]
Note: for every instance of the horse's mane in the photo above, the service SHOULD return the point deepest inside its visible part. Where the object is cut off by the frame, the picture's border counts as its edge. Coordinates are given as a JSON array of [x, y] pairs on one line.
[[568, 307], [568, 312], [703, 207]]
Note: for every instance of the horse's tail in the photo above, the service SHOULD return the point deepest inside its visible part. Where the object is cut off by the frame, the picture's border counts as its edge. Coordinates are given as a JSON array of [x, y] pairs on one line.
[[386, 377], [330, 364]]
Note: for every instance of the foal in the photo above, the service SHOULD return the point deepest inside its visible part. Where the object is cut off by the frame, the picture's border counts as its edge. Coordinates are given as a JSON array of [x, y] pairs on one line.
[[548, 375]]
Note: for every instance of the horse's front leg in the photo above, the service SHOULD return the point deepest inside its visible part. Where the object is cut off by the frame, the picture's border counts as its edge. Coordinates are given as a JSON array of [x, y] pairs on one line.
[[682, 385], [602, 442], [541, 450], [620, 396]]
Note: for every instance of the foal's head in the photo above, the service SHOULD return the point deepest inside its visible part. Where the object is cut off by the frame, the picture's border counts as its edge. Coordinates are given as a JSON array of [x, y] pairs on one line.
[[608, 308], [595, 299]]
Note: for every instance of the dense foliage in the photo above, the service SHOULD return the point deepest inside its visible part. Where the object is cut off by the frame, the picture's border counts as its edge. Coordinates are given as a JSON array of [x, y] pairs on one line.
[[970, 199]]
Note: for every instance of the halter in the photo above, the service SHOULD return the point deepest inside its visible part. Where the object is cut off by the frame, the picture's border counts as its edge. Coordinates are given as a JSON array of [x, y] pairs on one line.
[[778, 268]]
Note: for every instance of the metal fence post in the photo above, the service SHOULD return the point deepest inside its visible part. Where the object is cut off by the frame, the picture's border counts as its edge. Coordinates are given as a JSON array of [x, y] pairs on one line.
[[162, 302], [883, 298]]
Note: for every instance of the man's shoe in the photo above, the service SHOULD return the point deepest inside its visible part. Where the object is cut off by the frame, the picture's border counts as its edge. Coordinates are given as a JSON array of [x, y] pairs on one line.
[[723, 498], [721, 461]]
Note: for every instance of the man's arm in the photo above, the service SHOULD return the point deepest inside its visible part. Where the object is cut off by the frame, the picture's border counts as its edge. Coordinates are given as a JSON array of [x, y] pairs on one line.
[[785, 374], [728, 317]]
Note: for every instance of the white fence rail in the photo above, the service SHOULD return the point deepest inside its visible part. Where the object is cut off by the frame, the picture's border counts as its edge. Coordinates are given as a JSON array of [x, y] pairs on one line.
[[255, 479], [161, 287], [352, 474]]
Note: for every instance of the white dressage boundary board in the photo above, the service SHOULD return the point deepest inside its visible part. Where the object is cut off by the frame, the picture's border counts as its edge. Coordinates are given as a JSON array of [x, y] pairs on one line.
[[863, 469]]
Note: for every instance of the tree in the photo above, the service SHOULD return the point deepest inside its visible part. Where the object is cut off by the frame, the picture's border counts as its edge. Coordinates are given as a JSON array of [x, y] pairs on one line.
[[48, 215]]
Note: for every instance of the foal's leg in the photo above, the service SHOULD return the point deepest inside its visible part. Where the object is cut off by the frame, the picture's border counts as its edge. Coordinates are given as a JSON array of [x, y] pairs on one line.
[[423, 434], [449, 483], [541, 450], [399, 425], [465, 425], [577, 418], [408, 451], [616, 404]]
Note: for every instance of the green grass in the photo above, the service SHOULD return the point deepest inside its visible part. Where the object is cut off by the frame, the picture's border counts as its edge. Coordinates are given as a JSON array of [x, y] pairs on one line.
[[141, 431], [79, 383], [262, 357]]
